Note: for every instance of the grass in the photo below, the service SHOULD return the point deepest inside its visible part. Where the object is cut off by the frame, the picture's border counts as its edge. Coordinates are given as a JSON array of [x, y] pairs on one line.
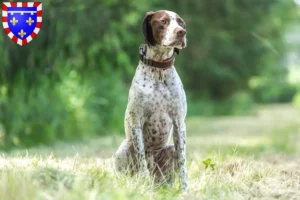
[[254, 157]]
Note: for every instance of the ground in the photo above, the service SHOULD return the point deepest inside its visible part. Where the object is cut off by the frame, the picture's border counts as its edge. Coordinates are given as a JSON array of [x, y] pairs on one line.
[[241, 157]]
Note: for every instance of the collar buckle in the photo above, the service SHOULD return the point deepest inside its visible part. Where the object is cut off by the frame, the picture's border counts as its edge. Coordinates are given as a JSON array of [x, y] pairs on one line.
[[142, 49]]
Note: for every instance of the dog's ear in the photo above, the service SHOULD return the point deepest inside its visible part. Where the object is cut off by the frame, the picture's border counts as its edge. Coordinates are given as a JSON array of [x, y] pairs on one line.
[[147, 29]]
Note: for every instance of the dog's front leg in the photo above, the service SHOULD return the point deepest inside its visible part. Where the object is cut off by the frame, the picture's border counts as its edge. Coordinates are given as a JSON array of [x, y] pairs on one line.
[[139, 150], [134, 129], [179, 136]]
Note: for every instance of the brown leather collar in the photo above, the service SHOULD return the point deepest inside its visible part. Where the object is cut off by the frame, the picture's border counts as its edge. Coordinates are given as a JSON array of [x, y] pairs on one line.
[[162, 65]]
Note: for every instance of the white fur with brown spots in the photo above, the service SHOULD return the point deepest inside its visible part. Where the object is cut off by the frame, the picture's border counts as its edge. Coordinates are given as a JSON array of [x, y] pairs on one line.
[[157, 106]]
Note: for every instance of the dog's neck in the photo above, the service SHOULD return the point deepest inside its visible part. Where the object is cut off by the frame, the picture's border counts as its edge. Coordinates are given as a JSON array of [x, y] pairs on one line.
[[159, 53]]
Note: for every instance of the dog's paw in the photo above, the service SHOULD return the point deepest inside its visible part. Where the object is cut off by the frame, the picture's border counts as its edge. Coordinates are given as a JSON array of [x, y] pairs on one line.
[[145, 173], [145, 176], [184, 194]]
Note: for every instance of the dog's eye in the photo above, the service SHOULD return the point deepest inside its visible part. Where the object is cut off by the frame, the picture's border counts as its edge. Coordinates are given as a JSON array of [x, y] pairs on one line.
[[163, 21]]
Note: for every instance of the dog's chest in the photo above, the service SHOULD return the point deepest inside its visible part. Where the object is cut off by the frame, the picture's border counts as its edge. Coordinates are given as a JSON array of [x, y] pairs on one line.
[[158, 91], [160, 96]]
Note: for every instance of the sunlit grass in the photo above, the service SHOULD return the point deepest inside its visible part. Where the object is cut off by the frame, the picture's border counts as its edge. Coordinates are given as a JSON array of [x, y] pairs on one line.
[[255, 157]]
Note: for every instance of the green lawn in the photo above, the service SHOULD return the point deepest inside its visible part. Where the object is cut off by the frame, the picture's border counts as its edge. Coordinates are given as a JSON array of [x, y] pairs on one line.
[[255, 157]]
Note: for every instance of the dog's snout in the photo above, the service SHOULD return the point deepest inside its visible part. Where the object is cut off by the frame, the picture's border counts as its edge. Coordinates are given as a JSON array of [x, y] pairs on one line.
[[181, 32]]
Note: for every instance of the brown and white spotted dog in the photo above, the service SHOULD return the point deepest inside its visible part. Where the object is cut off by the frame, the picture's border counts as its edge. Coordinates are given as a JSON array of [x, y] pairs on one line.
[[157, 104]]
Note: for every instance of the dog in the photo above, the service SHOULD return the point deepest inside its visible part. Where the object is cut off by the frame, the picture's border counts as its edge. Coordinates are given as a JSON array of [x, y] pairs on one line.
[[157, 105]]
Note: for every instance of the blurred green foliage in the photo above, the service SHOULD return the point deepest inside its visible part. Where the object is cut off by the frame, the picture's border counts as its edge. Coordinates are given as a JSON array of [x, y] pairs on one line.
[[72, 81]]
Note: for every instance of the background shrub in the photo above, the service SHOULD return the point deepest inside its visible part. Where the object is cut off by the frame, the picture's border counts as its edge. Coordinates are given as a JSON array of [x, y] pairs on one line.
[[72, 81]]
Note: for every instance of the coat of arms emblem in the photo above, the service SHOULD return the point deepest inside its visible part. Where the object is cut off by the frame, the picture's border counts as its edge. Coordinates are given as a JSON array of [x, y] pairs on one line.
[[22, 21]]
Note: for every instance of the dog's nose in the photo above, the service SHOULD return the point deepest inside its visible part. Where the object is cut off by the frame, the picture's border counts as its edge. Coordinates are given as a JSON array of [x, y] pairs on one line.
[[181, 33]]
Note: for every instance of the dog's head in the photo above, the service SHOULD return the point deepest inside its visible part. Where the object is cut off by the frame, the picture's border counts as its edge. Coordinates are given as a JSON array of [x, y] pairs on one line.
[[164, 28]]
